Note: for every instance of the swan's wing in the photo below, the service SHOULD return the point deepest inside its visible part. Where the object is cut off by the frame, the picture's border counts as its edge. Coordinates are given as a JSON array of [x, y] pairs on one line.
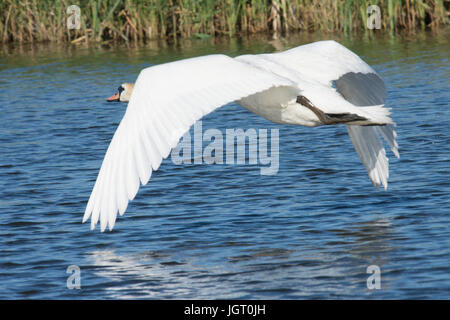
[[332, 73], [328, 75], [167, 99], [328, 61]]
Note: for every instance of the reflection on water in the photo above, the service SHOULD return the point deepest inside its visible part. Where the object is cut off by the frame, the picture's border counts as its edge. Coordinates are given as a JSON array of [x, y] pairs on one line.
[[137, 275], [158, 274], [161, 51], [370, 237], [222, 231]]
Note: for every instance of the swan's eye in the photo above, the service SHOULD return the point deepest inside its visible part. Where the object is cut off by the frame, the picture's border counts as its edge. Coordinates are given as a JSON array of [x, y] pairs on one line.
[[120, 89]]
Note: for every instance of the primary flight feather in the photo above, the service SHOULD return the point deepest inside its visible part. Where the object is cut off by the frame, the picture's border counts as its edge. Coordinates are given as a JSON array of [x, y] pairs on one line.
[[321, 83]]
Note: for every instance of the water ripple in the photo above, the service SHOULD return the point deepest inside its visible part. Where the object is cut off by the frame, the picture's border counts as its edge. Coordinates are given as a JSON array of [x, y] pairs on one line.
[[222, 231]]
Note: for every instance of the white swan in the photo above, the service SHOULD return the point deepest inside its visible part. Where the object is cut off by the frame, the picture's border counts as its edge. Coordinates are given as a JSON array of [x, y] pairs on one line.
[[315, 84]]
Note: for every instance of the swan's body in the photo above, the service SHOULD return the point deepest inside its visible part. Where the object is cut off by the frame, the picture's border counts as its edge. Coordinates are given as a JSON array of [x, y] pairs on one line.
[[311, 85]]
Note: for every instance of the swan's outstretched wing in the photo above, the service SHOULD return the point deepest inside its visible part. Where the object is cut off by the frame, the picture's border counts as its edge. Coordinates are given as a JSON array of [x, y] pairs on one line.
[[167, 99], [324, 61], [340, 74]]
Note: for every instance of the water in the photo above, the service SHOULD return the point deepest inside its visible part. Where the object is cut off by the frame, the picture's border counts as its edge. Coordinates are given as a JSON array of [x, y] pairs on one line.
[[222, 231]]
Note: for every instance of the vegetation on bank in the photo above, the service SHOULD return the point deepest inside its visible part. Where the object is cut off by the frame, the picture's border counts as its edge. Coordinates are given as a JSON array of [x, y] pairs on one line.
[[141, 20]]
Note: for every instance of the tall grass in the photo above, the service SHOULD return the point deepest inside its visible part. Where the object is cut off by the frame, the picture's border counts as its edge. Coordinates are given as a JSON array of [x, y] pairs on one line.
[[141, 20]]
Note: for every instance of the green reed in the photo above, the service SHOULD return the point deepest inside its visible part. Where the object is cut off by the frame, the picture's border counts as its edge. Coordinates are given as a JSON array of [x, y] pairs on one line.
[[141, 20]]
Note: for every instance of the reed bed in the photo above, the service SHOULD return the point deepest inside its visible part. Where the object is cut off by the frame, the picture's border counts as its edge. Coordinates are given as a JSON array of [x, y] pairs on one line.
[[142, 20]]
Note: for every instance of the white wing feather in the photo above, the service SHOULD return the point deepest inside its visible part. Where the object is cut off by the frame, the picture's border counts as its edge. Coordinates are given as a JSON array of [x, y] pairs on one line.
[[167, 99], [323, 61]]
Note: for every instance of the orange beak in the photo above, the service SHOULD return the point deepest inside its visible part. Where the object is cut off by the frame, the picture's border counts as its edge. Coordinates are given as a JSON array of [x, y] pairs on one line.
[[114, 97]]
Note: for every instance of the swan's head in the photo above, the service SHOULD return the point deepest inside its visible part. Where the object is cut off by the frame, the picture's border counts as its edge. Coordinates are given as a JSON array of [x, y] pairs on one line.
[[123, 93]]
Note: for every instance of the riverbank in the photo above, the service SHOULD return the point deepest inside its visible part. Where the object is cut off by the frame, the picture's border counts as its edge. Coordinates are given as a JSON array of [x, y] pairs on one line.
[[123, 20]]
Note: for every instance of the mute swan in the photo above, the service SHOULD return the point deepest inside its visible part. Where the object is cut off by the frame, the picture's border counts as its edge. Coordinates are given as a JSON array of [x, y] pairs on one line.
[[321, 83]]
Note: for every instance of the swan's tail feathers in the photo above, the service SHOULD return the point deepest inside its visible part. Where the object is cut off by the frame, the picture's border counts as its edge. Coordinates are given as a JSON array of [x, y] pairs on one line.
[[368, 144], [377, 114]]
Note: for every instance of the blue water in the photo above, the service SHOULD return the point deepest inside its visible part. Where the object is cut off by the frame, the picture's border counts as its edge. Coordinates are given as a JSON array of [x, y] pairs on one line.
[[222, 231]]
